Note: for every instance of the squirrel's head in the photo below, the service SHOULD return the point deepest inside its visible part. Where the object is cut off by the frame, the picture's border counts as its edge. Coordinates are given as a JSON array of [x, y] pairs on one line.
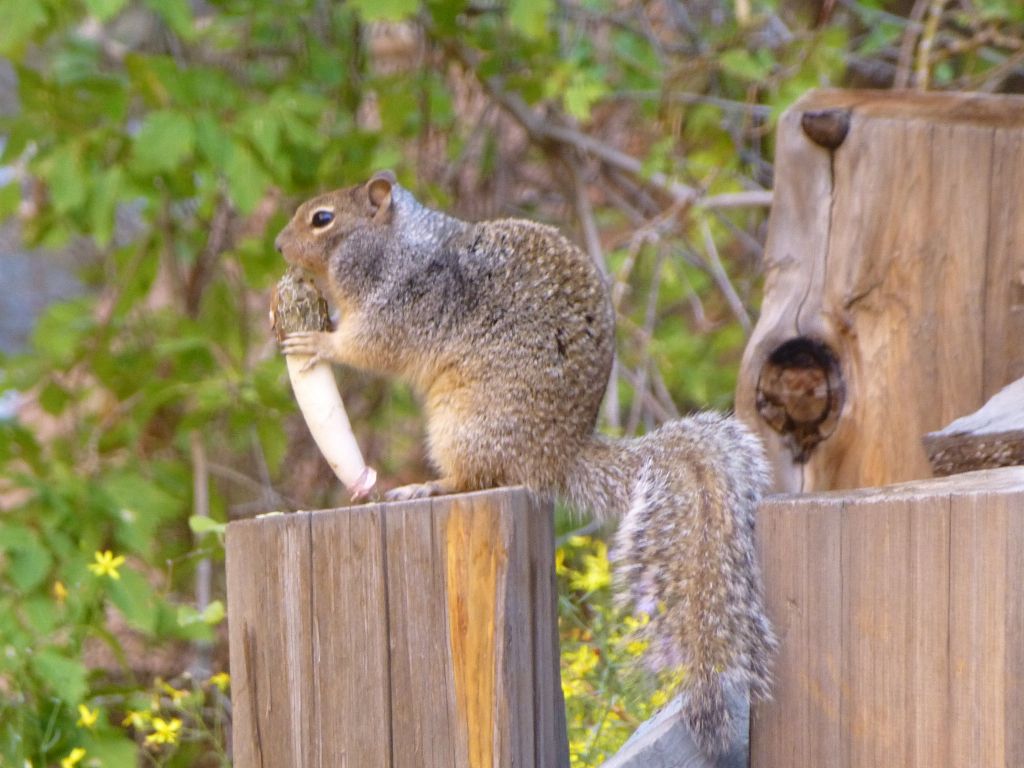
[[322, 225]]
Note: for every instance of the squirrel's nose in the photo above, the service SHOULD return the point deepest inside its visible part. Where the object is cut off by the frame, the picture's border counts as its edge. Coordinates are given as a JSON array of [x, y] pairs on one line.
[[278, 244]]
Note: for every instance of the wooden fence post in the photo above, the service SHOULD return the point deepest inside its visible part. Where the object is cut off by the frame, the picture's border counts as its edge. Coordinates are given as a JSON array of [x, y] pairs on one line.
[[419, 634], [894, 281], [901, 619]]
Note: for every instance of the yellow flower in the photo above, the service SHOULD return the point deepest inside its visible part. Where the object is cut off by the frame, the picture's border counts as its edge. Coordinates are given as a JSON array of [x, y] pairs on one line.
[[636, 647], [74, 758], [659, 699], [137, 719], [581, 661], [596, 573], [176, 694], [87, 717], [560, 567], [60, 592], [222, 680], [106, 564], [164, 731]]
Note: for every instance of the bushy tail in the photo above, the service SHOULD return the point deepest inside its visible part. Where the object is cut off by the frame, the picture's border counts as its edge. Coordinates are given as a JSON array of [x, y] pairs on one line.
[[685, 556]]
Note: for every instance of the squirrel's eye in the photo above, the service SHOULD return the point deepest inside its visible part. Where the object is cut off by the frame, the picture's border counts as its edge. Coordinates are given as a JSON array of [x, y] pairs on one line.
[[322, 219]]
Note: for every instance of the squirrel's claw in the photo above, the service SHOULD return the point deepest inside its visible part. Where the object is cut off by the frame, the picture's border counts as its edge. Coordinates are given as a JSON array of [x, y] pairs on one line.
[[309, 343], [417, 491]]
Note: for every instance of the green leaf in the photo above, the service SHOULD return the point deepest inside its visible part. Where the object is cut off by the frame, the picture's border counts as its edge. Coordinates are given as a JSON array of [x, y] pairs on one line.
[[530, 17], [740, 63], [134, 597], [201, 525], [177, 14], [66, 678], [61, 328], [212, 615], [110, 751], [28, 567], [21, 19], [10, 199], [53, 398], [385, 10], [133, 491], [246, 179], [104, 9], [66, 176], [212, 141], [139, 506], [163, 142], [103, 205], [582, 93], [41, 613]]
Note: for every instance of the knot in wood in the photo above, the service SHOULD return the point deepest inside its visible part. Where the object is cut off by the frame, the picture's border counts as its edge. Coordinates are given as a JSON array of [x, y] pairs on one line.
[[826, 127], [800, 393]]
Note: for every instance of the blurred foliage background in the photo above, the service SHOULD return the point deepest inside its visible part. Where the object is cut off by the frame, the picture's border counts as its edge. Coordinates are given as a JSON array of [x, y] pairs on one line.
[[151, 151]]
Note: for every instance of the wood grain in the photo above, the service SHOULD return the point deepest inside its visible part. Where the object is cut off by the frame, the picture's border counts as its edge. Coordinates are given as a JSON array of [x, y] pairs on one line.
[[351, 675], [799, 226], [900, 251], [900, 618], [398, 635], [270, 637], [800, 555]]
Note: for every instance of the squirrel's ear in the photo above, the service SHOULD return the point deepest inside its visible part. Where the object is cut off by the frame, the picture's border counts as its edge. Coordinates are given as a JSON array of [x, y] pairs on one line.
[[379, 190]]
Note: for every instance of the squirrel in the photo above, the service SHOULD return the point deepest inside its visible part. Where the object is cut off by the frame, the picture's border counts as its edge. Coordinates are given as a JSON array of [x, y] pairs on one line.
[[506, 329]]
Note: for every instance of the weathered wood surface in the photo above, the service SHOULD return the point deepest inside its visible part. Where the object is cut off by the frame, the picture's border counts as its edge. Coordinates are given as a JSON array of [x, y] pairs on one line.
[[403, 635], [901, 621], [992, 436], [664, 741], [894, 291]]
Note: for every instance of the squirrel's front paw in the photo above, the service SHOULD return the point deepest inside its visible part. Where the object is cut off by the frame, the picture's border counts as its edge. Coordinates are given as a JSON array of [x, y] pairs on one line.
[[313, 344]]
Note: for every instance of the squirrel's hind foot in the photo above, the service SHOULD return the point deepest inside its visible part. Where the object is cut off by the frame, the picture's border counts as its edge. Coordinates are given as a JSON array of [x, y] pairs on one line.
[[420, 490]]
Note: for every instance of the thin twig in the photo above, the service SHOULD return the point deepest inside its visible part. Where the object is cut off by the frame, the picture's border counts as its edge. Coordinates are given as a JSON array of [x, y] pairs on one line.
[[924, 49], [664, 397], [650, 317], [233, 475], [721, 278], [544, 131], [585, 214], [659, 411], [994, 78], [908, 42], [202, 665]]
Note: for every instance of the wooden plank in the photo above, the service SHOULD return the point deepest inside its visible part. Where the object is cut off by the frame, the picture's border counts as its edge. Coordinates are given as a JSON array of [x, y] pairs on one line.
[[552, 743], [1004, 296], [985, 623], [420, 634], [270, 635], [800, 557], [664, 741], [922, 580], [425, 731], [1013, 623], [895, 612], [489, 630], [351, 684]]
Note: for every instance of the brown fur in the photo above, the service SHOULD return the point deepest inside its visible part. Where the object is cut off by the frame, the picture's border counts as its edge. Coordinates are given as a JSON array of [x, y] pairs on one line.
[[507, 330]]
